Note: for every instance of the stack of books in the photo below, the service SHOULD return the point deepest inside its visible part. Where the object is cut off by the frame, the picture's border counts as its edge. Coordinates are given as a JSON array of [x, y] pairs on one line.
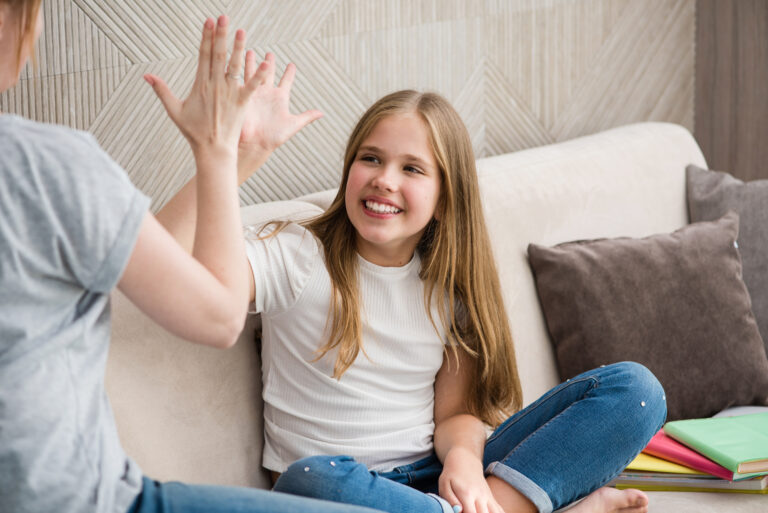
[[721, 454]]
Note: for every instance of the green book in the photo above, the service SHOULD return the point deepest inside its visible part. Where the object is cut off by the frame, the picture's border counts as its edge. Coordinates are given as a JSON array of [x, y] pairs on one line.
[[739, 443]]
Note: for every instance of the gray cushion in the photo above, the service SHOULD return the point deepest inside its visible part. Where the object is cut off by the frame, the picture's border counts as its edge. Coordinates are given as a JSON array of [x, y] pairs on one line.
[[673, 302], [710, 195]]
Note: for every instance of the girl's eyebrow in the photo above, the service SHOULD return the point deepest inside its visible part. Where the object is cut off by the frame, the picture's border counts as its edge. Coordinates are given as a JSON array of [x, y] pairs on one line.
[[407, 156]]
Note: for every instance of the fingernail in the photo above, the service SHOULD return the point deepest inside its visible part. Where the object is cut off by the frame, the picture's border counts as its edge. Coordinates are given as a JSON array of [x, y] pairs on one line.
[[457, 508], [223, 21], [149, 80], [209, 23]]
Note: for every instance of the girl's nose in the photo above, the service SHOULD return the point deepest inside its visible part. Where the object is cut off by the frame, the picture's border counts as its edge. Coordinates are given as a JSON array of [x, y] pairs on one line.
[[386, 178]]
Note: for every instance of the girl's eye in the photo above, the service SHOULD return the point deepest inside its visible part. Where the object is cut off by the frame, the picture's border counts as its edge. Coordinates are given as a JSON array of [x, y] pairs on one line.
[[370, 158], [412, 169]]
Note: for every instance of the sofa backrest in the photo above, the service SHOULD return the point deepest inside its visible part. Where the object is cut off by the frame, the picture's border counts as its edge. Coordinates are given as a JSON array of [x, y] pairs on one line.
[[194, 414]]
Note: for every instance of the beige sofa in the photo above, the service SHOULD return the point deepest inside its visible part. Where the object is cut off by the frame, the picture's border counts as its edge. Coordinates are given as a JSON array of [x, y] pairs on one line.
[[190, 413]]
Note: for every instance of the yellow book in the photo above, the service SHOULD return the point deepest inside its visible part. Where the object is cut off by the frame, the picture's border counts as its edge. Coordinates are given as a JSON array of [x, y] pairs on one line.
[[649, 463]]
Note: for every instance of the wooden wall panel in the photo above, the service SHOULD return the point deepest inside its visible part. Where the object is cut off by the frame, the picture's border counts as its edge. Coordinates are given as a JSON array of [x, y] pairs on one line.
[[732, 85], [520, 72]]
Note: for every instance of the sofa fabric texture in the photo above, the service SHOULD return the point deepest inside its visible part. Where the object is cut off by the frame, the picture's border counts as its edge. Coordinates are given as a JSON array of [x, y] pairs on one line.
[[710, 195], [673, 302]]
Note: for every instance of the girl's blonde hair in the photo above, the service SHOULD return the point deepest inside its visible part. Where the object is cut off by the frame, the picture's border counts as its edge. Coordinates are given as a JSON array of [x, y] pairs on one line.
[[456, 259], [27, 10]]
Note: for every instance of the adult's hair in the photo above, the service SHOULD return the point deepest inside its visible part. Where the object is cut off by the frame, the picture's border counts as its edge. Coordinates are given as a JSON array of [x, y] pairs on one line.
[[28, 10], [457, 264]]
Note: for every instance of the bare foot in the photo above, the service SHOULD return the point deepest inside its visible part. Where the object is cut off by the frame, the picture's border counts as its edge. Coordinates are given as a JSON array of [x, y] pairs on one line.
[[607, 500]]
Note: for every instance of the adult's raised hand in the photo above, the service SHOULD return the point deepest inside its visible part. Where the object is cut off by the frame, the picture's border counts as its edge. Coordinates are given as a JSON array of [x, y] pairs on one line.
[[212, 115]]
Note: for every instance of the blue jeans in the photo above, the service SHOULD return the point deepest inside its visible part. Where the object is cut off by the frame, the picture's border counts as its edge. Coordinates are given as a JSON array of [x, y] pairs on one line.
[[571, 441], [175, 497]]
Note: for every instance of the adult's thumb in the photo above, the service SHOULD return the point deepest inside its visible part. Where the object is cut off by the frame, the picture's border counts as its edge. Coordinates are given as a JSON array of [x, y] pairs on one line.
[[163, 92]]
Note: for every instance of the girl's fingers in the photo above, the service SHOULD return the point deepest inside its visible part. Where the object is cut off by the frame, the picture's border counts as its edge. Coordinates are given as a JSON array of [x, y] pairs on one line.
[[235, 68], [288, 75], [219, 60], [447, 494], [250, 65], [252, 83], [308, 117], [170, 102], [270, 78], [204, 59]]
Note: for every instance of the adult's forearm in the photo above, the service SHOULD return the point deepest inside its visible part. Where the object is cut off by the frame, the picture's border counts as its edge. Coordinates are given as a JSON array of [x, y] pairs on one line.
[[179, 214], [218, 239]]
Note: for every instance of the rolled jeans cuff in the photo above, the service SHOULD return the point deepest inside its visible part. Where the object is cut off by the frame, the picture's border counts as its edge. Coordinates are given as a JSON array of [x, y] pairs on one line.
[[522, 484], [447, 508]]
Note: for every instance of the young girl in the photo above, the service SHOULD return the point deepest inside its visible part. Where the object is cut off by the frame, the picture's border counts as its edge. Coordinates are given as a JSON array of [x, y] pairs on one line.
[[385, 338], [72, 227]]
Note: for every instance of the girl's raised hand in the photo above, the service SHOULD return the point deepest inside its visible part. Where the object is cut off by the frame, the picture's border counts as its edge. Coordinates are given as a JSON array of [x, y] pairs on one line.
[[211, 117], [268, 122]]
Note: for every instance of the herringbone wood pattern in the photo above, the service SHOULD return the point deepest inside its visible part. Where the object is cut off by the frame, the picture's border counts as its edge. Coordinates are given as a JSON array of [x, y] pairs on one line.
[[520, 72]]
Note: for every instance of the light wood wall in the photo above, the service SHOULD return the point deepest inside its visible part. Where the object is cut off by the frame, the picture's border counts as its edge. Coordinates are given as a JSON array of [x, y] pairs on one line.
[[732, 85], [521, 73]]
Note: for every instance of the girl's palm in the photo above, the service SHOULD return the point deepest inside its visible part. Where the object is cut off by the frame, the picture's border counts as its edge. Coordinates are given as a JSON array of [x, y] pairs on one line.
[[268, 121]]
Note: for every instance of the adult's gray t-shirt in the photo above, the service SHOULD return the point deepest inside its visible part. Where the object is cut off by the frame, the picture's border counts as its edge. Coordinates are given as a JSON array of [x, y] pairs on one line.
[[69, 219]]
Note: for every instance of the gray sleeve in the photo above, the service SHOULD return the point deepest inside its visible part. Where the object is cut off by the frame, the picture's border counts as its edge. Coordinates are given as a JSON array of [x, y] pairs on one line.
[[77, 214], [103, 223]]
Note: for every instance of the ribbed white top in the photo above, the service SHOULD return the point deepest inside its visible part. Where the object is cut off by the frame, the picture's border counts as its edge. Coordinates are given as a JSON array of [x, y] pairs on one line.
[[381, 410]]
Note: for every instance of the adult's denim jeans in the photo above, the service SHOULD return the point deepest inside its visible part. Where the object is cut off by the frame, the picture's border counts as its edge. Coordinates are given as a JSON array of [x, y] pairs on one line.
[[571, 441], [175, 497]]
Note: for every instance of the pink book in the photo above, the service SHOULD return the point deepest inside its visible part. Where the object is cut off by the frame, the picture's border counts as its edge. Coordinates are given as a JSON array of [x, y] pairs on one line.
[[666, 448]]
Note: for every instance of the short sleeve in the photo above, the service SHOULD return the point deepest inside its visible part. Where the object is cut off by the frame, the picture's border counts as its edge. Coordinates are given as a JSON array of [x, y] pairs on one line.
[[103, 222], [282, 265], [78, 214]]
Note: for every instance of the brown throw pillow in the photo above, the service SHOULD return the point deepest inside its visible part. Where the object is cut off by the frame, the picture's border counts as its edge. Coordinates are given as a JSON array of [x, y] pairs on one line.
[[710, 195], [674, 302]]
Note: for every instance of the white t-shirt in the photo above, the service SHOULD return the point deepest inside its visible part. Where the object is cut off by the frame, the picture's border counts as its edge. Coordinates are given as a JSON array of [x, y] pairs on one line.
[[381, 411]]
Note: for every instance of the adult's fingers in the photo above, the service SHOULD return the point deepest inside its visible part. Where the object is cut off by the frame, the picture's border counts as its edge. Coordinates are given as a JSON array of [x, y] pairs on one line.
[[219, 60], [170, 102], [288, 76], [204, 57], [235, 68]]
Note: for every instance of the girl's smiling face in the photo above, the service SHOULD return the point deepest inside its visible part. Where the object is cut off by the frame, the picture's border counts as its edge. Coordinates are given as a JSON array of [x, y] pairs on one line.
[[393, 189]]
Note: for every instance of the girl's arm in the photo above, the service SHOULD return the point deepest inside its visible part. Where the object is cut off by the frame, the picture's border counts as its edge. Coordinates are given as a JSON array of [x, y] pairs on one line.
[[460, 439], [268, 124], [203, 296]]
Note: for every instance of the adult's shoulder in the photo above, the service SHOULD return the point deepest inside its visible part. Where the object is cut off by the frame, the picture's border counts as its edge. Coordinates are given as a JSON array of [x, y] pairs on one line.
[[57, 158], [20, 134]]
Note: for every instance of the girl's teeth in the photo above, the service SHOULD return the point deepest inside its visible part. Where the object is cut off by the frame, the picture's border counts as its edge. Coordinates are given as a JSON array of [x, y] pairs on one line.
[[381, 209]]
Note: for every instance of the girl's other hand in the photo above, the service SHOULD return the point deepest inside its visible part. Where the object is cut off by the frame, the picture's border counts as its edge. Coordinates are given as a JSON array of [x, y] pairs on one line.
[[211, 117], [463, 483], [268, 122]]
